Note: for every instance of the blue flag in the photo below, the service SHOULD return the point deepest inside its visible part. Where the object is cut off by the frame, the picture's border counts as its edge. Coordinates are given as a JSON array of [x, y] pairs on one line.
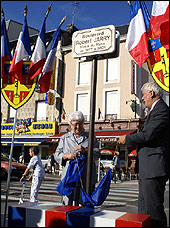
[[100, 193], [72, 177]]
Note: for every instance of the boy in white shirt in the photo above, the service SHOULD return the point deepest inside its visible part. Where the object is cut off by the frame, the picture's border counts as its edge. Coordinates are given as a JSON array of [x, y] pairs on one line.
[[38, 174]]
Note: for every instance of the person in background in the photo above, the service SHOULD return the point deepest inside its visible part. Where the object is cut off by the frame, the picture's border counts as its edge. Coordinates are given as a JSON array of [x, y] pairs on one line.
[[37, 175], [48, 164], [52, 163], [21, 158], [116, 167], [153, 154], [70, 144]]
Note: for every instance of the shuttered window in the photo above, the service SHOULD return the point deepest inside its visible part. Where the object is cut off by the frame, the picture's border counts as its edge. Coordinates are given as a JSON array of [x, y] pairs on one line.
[[83, 104], [84, 73], [111, 102], [112, 70], [41, 111]]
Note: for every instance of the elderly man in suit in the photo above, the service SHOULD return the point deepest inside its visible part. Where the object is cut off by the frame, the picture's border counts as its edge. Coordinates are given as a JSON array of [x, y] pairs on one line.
[[153, 154], [71, 143]]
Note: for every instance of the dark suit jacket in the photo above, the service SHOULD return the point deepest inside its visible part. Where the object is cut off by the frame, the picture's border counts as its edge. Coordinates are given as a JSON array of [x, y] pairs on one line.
[[153, 143]]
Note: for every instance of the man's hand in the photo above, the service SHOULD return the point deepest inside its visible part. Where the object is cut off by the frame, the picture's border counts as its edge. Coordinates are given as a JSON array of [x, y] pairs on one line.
[[122, 139]]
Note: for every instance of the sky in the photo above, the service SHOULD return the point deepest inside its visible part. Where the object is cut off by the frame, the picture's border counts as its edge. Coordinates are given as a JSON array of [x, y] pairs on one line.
[[88, 14]]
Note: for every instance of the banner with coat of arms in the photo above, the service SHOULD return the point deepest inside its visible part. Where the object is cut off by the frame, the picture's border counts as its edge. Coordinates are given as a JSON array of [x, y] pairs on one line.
[[158, 63], [14, 92]]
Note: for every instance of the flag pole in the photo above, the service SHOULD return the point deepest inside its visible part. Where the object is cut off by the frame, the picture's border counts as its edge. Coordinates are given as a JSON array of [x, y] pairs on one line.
[[2, 11], [63, 20], [48, 10], [9, 169]]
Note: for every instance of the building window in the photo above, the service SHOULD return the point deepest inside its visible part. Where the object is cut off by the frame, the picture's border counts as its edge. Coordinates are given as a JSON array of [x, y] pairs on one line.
[[112, 70], [41, 111], [82, 104], [111, 104], [84, 72]]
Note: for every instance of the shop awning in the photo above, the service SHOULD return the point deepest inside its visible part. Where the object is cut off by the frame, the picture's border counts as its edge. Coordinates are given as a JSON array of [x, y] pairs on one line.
[[22, 141], [103, 136]]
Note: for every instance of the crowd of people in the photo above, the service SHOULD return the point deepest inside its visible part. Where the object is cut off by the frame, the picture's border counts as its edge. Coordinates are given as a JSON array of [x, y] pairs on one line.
[[152, 144]]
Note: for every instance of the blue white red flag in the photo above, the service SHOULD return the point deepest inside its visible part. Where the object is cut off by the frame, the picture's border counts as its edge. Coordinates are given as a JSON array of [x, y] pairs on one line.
[[23, 50], [5, 48], [136, 42], [45, 78], [159, 22], [39, 54]]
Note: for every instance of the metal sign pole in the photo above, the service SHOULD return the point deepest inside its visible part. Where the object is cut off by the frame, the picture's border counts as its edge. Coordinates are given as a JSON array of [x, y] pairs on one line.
[[9, 170], [91, 127]]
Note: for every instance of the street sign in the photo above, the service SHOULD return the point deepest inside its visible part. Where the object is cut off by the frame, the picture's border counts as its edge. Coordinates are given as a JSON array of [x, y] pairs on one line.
[[95, 41]]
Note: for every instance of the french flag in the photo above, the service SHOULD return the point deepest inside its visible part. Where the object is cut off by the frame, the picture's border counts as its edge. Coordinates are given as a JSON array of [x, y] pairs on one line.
[[23, 50], [5, 48], [45, 78], [136, 42], [39, 54], [159, 22]]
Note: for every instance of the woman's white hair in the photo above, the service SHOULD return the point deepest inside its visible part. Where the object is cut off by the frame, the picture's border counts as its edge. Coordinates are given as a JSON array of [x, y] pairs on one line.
[[152, 86], [76, 116]]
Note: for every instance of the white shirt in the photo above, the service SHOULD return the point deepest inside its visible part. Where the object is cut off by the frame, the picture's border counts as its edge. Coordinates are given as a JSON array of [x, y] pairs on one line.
[[154, 104], [36, 164], [21, 158]]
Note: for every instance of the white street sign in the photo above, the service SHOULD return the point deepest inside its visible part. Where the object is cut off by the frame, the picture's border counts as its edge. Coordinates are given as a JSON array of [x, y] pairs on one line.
[[93, 41]]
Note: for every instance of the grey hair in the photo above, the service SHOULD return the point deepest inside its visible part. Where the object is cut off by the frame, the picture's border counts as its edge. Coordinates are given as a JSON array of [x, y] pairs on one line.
[[76, 116], [152, 86]]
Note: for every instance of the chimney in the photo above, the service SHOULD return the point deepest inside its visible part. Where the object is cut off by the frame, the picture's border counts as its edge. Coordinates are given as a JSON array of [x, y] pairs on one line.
[[71, 28]]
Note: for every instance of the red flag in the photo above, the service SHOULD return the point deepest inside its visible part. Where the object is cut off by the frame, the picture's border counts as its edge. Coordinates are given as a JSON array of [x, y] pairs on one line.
[[5, 48], [136, 42], [159, 22], [164, 38], [39, 54], [45, 78], [22, 50]]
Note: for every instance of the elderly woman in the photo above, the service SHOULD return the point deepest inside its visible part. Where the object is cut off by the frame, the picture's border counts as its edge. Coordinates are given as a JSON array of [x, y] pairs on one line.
[[70, 143]]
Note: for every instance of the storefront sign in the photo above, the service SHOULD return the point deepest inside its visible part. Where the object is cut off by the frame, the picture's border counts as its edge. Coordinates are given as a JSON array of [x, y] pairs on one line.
[[35, 129], [93, 41]]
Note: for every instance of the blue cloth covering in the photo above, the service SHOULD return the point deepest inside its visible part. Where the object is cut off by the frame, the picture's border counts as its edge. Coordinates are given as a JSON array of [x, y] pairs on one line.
[[72, 177], [100, 193]]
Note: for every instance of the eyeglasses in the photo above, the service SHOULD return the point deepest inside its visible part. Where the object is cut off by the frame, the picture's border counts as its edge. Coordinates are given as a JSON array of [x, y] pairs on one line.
[[76, 124]]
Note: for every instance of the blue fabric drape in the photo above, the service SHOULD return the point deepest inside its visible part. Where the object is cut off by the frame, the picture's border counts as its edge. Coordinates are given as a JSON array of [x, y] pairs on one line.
[[100, 193], [72, 177]]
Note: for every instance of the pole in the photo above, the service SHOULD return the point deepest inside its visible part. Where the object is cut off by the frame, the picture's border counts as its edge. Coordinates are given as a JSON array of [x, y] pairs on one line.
[[9, 170], [91, 127], [98, 179]]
